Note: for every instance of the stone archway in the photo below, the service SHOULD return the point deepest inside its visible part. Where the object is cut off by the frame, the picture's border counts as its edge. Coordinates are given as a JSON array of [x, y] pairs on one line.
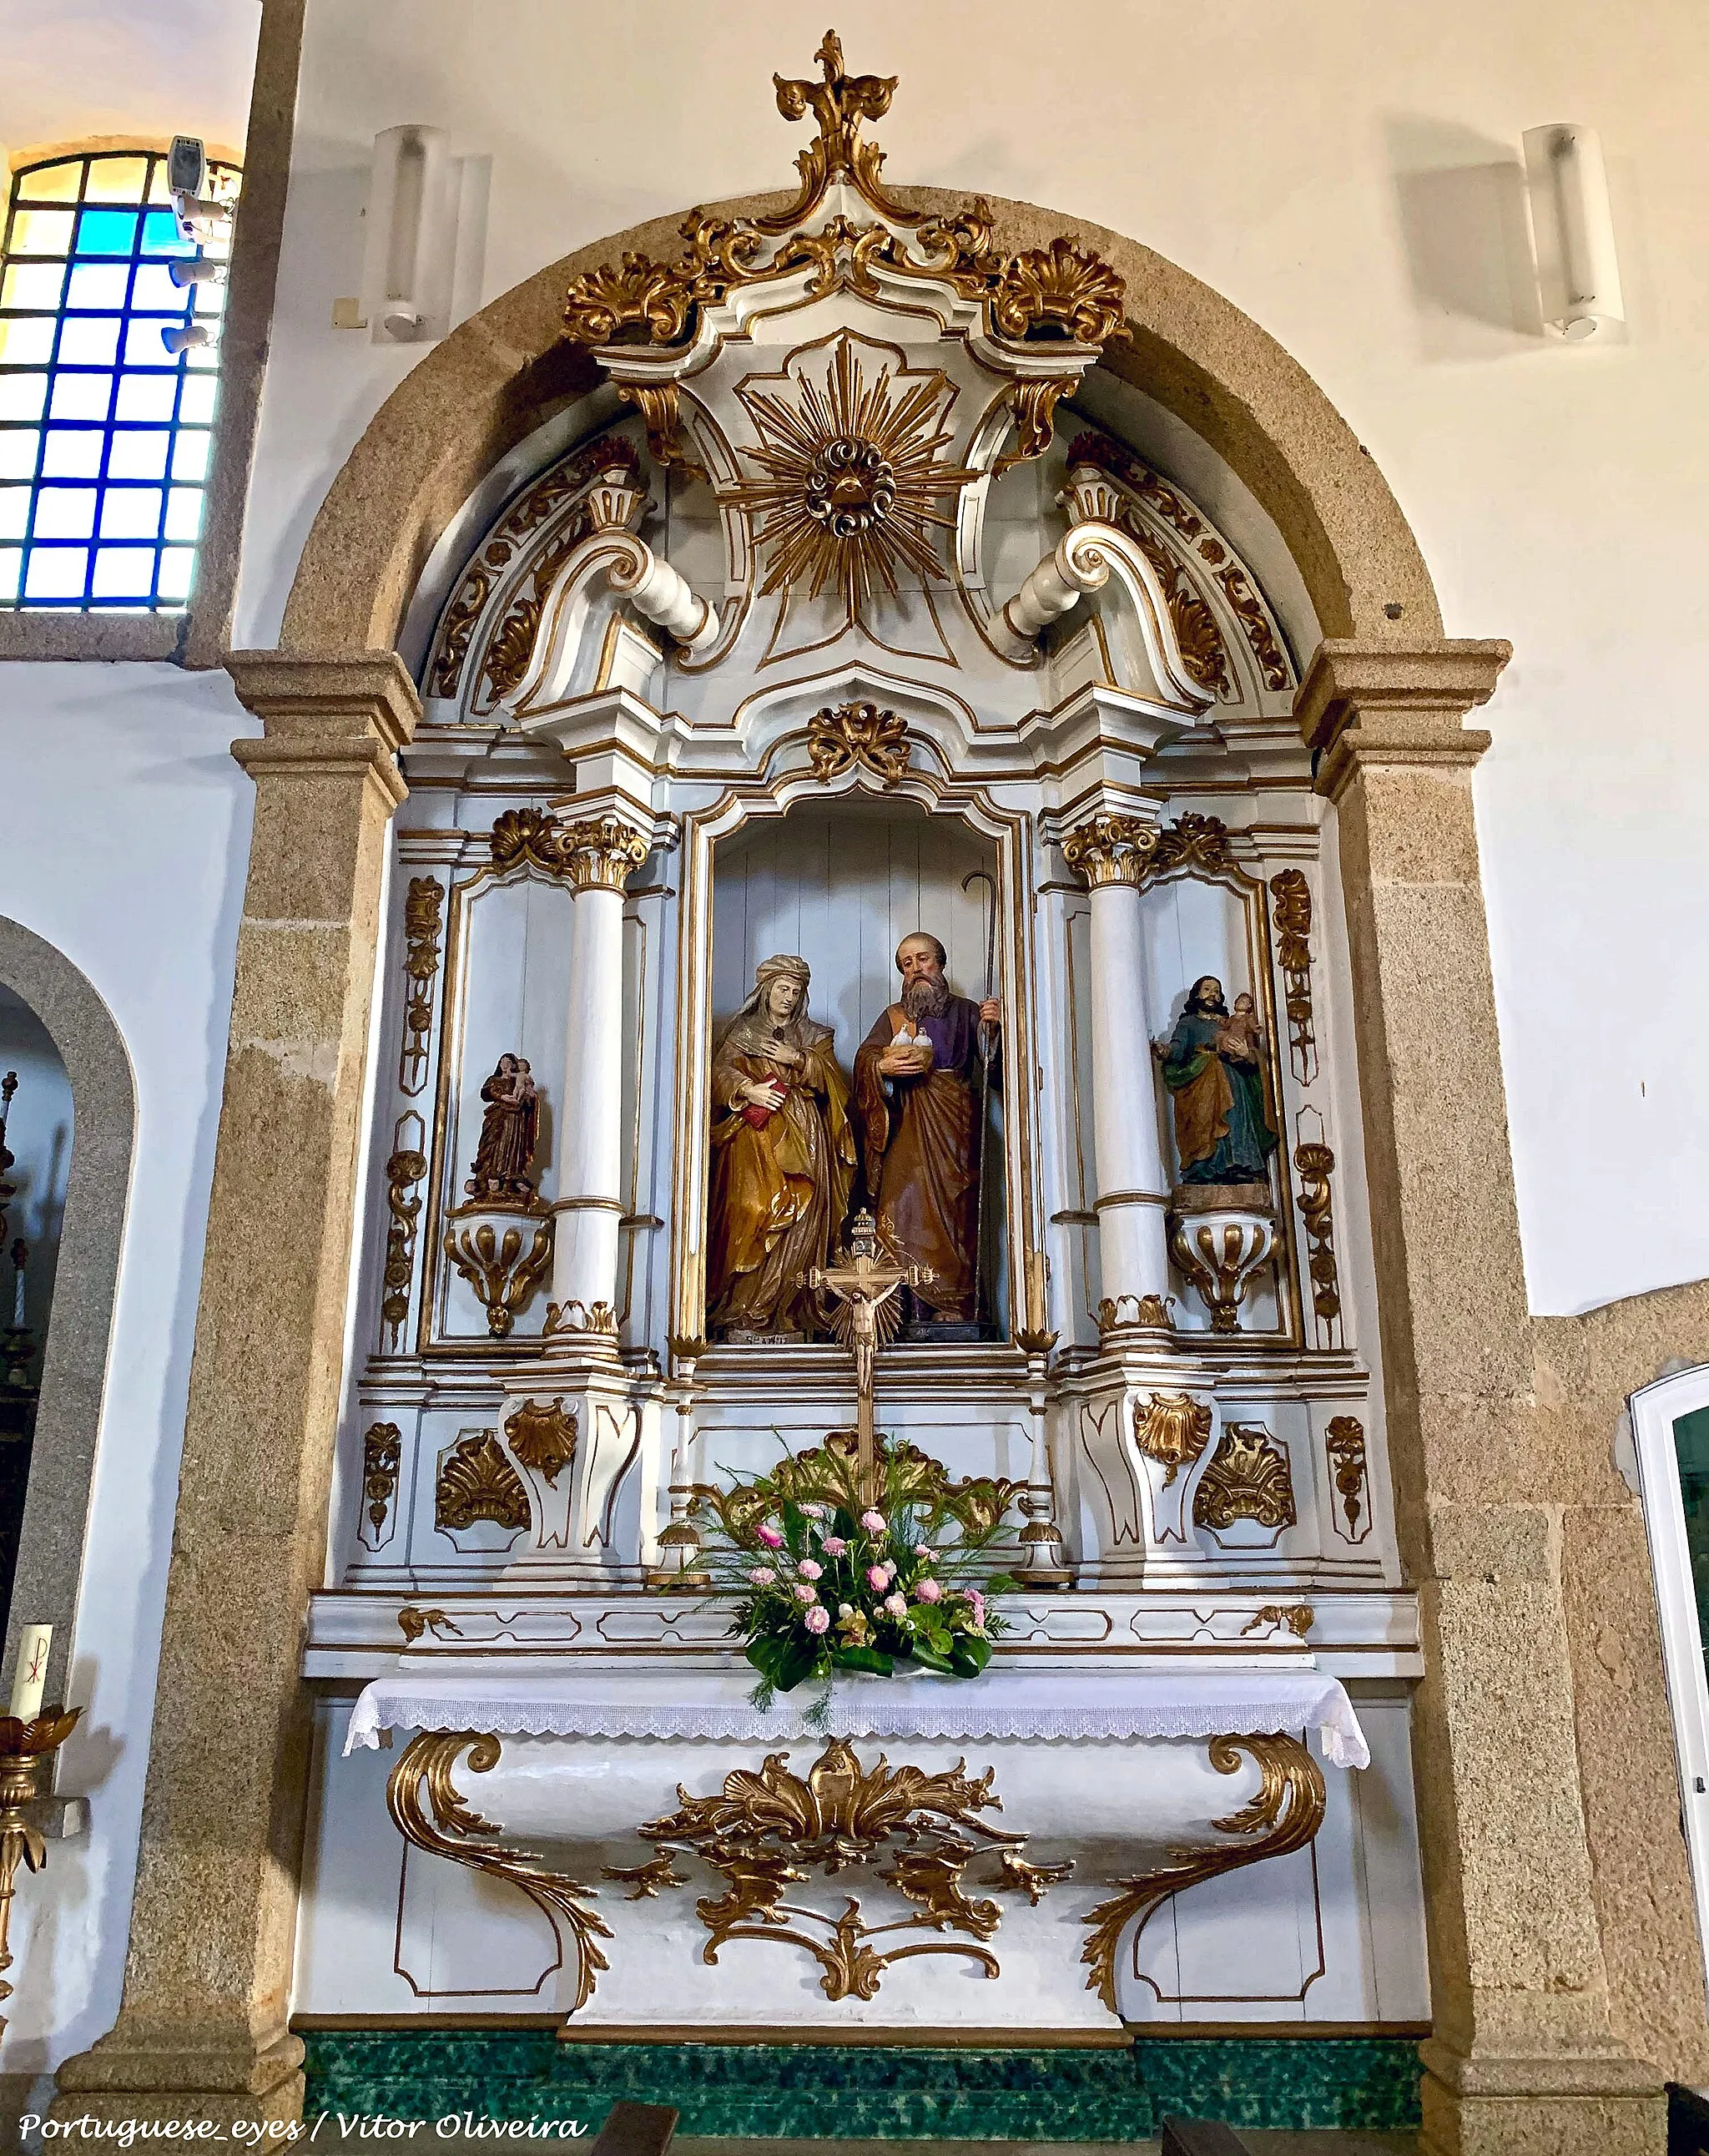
[[75, 1359], [1529, 2044]]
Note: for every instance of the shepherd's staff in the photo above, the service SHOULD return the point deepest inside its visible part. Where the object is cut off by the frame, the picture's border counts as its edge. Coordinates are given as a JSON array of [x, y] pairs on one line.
[[988, 1048]]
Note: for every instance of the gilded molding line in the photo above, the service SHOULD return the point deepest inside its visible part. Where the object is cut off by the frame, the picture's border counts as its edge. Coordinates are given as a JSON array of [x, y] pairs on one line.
[[543, 1438], [423, 907], [476, 1482], [1173, 1429], [1284, 1815], [404, 1169], [1247, 1478], [857, 735], [383, 1450], [1292, 894], [429, 1810], [503, 1278], [764, 1832], [1317, 1164], [1344, 1442], [1057, 291]]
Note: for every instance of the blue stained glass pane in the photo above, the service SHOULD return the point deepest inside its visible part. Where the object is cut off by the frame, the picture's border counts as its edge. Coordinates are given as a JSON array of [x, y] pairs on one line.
[[161, 234], [107, 232]]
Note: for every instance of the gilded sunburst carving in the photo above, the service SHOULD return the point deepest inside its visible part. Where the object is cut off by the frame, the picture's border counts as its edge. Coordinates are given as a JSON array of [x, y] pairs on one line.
[[852, 475]]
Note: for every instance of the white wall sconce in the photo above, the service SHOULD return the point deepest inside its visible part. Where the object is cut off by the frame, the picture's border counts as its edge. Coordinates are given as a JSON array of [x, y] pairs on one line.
[[1578, 272], [410, 256]]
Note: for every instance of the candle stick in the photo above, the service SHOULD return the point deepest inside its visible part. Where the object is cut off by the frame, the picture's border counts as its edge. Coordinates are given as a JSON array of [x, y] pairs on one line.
[[30, 1678], [17, 1258]]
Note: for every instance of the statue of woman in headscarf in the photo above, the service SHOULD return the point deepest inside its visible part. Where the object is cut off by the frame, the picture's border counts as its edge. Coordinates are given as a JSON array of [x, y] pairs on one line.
[[783, 1157]]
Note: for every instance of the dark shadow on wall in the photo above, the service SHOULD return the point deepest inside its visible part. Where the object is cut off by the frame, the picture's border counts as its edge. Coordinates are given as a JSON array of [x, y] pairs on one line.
[[1465, 226]]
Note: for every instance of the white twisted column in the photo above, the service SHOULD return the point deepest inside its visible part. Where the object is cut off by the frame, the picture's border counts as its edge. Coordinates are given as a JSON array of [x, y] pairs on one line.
[[596, 858], [1113, 852]]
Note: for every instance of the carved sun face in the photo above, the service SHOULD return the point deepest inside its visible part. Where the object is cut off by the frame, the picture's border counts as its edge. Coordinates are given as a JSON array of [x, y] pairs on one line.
[[851, 479]]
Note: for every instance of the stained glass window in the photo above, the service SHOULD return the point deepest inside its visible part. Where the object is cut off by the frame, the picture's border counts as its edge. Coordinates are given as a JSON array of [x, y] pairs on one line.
[[104, 431]]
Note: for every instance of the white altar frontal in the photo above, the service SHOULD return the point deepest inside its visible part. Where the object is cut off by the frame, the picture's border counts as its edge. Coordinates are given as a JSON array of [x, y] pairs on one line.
[[856, 598]]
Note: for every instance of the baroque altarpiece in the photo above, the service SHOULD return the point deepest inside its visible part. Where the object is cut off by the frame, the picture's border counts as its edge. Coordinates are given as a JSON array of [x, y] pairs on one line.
[[863, 609]]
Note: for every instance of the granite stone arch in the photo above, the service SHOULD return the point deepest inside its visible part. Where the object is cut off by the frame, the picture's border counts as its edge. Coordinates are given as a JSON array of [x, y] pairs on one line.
[[74, 1356], [507, 368]]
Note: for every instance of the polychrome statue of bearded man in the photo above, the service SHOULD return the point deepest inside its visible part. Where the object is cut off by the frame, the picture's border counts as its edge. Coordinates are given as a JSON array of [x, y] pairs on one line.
[[783, 1157], [920, 1095]]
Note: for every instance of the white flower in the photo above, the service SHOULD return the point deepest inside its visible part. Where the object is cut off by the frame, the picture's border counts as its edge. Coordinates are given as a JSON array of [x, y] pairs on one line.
[[897, 1605]]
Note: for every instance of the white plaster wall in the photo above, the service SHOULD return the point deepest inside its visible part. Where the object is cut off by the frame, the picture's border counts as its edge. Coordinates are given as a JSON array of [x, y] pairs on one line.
[[1348, 176], [127, 833]]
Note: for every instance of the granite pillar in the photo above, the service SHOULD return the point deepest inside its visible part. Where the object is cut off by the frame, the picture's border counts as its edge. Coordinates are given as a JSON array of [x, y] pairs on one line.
[[1523, 2054]]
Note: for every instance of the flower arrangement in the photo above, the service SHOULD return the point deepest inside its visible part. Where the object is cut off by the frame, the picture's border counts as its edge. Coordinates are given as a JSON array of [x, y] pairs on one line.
[[822, 1581]]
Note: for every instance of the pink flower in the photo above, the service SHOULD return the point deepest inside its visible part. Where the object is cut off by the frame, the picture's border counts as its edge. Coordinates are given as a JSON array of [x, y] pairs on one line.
[[809, 1569], [805, 1594], [814, 1512], [924, 1552], [873, 1522], [818, 1618], [889, 1570], [770, 1537], [897, 1605], [877, 1576], [928, 1590], [833, 1546], [762, 1576]]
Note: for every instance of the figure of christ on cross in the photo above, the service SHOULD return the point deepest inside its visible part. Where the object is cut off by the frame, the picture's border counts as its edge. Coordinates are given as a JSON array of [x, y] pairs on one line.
[[866, 1287]]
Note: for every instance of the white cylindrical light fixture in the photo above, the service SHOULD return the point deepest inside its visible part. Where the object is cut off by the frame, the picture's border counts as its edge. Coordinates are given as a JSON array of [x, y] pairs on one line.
[[406, 274], [1578, 272]]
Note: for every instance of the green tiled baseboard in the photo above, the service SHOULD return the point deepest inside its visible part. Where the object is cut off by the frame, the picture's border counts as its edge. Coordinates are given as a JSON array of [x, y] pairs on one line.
[[821, 2093]]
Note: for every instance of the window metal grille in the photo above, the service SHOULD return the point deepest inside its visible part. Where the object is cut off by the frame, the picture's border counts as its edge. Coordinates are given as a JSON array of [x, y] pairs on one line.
[[104, 433]]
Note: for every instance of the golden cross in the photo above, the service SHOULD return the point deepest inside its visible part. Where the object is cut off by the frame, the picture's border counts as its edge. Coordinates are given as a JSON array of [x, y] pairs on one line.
[[864, 1283]]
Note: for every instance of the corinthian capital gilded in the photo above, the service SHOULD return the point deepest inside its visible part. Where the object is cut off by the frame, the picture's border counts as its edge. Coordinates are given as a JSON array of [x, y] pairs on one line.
[[601, 853], [1111, 849]]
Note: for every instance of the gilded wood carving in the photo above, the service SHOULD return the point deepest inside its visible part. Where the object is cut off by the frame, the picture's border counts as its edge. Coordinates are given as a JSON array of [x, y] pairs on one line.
[[1284, 1815], [767, 1832], [476, 1482], [543, 1438], [1344, 1441], [1173, 1429], [429, 1810], [1246, 1478], [1292, 894], [424, 905]]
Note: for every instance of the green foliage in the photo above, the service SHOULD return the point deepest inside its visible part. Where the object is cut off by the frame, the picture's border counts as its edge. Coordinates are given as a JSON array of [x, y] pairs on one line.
[[816, 1586]]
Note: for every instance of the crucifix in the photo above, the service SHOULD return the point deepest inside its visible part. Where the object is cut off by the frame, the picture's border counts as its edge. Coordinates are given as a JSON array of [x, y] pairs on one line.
[[866, 1286]]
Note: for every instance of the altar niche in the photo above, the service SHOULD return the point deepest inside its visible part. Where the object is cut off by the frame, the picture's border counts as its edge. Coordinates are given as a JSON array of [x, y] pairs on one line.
[[842, 889]]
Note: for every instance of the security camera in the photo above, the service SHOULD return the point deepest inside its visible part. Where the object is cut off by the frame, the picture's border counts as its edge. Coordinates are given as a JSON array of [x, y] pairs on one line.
[[182, 335]]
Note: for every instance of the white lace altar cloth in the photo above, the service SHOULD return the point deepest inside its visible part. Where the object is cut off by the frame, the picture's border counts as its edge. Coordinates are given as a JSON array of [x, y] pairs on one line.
[[1080, 1706]]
